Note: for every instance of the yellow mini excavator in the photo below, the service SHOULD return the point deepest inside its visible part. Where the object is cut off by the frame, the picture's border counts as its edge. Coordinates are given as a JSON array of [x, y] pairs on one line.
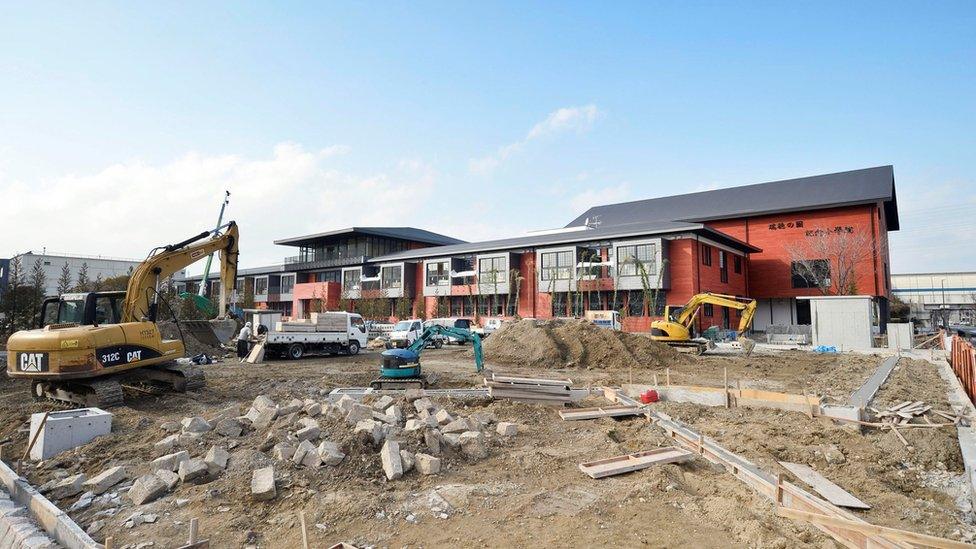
[[676, 329], [87, 344]]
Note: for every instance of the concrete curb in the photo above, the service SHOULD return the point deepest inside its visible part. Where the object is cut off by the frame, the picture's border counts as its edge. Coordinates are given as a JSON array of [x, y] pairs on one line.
[[53, 520]]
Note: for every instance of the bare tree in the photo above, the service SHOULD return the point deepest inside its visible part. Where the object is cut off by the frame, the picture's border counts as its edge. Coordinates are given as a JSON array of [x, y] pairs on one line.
[[828, 259]]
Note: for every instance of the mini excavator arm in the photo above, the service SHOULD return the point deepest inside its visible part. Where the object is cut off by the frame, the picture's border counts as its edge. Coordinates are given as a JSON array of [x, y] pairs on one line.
[[460, 333], [141, 297]]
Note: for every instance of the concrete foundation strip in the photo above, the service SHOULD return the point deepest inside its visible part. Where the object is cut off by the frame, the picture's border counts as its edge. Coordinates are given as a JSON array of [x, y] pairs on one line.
[[865, 394], [53, 520]]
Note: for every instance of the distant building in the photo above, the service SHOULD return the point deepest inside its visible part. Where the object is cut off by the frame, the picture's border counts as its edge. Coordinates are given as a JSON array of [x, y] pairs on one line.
[[52, 263], [949, 295]]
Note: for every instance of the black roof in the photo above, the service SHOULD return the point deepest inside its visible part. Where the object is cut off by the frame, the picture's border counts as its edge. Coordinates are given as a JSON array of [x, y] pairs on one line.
[[403, 233], [252, 271], [869, 185], [570, 237]]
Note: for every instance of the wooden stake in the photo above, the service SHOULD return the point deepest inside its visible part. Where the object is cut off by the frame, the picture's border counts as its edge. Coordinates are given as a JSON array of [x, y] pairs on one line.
[[655, 381], [701, 444], [33, 440], [194, 531], [779, 488], [301, 515], [725, 378]]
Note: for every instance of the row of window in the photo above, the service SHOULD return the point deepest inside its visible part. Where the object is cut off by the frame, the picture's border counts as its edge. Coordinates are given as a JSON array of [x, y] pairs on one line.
[[632, 260], [723, 265]]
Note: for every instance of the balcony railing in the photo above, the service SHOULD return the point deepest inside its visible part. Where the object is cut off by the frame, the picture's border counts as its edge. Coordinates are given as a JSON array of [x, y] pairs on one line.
[[302, 262]]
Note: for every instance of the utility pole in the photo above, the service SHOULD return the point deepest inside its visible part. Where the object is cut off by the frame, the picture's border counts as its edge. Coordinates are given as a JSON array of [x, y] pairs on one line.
[[206, 270]]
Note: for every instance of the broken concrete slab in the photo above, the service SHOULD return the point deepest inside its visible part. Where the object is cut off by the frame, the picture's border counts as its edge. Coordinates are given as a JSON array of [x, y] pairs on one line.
[[195, 424], [427, 465], [407, 459], [292, 407], [264, 418], [193, 469], [146, 489], [108, 478], [310, 432], [383, 402], [166, 445], [390, 457], [229, 427], [263, 484], [373, 430], [313, 410], [169, 478], [307, 454], [434, 440], [396, 413], [423, 405], [264, 402], [358, 412], [414, 425], [473, 444], [170, 462], [484, 418], [216, 458], [457, 426], [283, 451], [443, 417], [507, 429], [330, 453], [67, 487]]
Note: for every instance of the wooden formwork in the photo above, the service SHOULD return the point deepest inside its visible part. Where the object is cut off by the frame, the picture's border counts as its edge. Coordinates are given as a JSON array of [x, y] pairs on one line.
[[962, 358]]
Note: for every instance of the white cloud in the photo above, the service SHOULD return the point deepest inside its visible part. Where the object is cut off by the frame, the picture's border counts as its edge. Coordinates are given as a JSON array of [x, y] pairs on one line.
[[564, 120], [585, 200], [129, 208]]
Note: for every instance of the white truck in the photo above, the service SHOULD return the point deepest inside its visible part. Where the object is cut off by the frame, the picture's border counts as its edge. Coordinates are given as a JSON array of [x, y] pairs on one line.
[[404, 333], [326, 333]]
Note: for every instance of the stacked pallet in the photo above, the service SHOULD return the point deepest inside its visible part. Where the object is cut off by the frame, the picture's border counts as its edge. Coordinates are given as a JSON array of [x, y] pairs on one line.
[[523, 389], [329, 322]]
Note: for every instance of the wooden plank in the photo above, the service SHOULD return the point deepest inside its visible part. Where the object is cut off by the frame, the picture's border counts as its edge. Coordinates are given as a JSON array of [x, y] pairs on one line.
[[594, 413], [513, 379], [633, 462], [257, 353], [873, 529], [553, 389], [820, 484]]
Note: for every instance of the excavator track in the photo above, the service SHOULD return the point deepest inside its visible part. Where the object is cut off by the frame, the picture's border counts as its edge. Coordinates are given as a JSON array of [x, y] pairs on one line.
[[177, 377], [97, 393]]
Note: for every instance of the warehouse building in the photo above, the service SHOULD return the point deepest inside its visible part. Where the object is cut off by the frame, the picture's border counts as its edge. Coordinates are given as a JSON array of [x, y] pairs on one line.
[[756, 241], [96, 267], [937, 299]]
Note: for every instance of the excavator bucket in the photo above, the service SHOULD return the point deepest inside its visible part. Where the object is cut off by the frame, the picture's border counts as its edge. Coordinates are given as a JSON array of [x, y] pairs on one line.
[[210, 332]]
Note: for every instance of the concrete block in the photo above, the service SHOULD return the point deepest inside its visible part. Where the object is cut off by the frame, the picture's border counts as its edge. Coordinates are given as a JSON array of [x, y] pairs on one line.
[[345, 403], [169, 478], [263, 484], [313, 410], [457, 426], [108, 478], [229, 427], [216, 458], [307, 454], [373, 430], [390, 457], [67, 487], [443, 417], [407, 459], [292, 407], [433, 440], [166, 445], [383, 402], [453, 440], [396, 413], [507, 429], [169, 462], [192, 469], [414, 425], [264, 402], [66, 430], [195, 424], [423, 405], [473, 444], [484, 418], [283, 451], [146, 489], [330, 453], [428, 465], [265, 418], [389, 420], [358, 412], [308, 433]]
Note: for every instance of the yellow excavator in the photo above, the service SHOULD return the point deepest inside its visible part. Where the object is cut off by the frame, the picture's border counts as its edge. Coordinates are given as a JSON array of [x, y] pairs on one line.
[[676, 329], [87, 344]]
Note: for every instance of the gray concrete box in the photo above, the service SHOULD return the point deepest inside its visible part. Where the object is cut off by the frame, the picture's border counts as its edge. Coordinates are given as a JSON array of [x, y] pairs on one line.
[[67, 429]]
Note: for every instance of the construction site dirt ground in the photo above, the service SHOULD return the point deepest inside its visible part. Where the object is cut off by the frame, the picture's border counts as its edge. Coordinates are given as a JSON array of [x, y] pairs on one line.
[[529, 489]]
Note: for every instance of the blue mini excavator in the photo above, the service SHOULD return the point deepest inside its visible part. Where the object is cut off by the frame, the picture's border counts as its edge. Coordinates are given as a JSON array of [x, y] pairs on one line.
[[400, 368]]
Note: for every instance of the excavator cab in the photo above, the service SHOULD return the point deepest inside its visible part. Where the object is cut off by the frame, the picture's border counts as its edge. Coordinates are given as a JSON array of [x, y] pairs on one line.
[[82, 309]]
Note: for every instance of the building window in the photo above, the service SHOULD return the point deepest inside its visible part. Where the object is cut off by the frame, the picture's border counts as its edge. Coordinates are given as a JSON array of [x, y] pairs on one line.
[[261, 285], [328, 276], [350, 279], [491, 270], [557, 265], [631, 258], [811, 273], [635, 303], [723, 267], [708, 310], [457, 306], [287, 284], [392, 277], [558, 305], [438, 274], [706, 251], [737, 264]]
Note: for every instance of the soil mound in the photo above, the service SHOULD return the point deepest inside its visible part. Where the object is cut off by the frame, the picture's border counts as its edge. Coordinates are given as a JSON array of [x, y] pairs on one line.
[[575, 344]]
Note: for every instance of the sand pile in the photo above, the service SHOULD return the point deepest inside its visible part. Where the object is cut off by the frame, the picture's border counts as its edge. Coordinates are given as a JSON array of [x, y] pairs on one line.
[[575, 344]]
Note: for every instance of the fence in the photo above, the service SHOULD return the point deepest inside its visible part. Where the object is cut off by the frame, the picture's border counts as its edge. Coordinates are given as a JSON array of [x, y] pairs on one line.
[[962, 358]]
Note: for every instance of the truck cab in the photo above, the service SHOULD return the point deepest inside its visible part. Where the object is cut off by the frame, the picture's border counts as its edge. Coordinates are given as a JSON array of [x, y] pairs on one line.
[[404, 333], [450, 322], [605, 319]]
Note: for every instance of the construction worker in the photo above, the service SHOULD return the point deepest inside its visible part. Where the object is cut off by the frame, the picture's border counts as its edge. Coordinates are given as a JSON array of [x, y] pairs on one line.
[[244, 342]]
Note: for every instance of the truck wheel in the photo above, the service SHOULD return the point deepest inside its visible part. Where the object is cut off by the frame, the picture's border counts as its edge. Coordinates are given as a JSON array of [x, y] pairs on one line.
[[296, 351], [353, 348], [438, 344]]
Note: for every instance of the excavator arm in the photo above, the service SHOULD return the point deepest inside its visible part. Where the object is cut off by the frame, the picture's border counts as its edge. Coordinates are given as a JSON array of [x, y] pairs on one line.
[[687, 315], [142, 294], [435, 330]]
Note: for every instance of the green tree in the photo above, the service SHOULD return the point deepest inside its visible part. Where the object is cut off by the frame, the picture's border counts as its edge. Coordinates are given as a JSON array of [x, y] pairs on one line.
[[38, 283], [84, 283], [64, 281]]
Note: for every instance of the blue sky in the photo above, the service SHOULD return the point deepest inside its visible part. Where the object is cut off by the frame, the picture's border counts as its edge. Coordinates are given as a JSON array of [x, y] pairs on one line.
[[479, 121]]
